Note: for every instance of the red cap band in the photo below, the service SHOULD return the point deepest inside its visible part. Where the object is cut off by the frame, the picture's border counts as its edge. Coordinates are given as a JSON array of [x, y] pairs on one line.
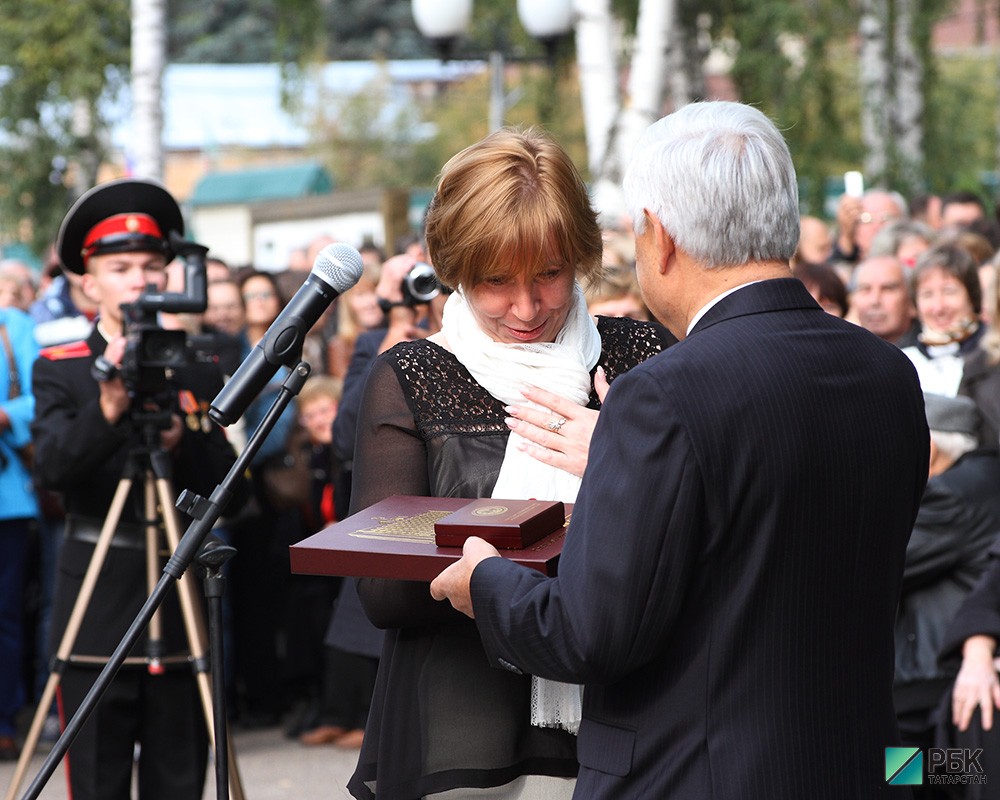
[[120, 225]]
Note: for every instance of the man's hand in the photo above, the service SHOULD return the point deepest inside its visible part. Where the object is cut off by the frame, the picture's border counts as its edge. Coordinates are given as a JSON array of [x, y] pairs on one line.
[[394, 270], [453, 583], [171, 437], [402, 328], [848, 214]]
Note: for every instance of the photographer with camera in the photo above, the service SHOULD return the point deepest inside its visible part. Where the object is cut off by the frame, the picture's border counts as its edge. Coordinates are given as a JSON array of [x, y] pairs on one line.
[[411, 299], [102, 404]]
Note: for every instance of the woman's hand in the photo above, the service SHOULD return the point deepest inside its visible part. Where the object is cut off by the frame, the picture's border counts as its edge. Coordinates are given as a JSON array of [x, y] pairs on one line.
[[976, 684], [560, 434]]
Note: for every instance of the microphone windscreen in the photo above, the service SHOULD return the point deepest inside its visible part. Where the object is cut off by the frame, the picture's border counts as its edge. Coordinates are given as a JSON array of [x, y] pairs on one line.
[[339, 265]]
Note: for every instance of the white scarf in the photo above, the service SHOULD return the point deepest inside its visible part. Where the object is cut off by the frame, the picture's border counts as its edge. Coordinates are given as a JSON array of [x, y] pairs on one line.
[[562, 367]]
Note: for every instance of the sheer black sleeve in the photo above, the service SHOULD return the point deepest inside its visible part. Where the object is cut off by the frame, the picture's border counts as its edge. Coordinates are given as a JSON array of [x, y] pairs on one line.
[[390, 458]]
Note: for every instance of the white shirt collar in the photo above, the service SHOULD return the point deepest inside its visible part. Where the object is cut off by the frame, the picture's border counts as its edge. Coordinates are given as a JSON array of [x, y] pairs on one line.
[[705, 308]]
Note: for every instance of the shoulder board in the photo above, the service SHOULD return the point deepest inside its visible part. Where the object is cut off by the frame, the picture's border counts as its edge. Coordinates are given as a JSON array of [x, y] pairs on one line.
[[60, 352]]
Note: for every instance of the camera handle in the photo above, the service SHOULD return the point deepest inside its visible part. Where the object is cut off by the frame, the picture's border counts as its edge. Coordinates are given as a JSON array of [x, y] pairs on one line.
[[205, 513], [194, 298]]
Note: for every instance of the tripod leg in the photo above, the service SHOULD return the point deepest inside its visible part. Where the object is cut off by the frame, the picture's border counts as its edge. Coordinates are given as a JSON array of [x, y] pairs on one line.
[[154, 634], [65, 649], [194, 625]]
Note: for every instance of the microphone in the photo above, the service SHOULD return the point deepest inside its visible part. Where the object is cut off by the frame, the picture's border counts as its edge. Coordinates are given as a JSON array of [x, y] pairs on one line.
[[337, 268]]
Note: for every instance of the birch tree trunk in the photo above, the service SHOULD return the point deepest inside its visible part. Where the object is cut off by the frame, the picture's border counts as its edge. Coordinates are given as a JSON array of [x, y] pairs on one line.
[[643, 104], [149, 49], [875, 85], [996, 155], [908, 100], [597, 45], [647, 76], [685, 62]]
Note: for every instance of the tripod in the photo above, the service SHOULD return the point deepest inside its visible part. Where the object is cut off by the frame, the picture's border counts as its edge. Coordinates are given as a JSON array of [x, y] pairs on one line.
[[204, 512], [152, 463]]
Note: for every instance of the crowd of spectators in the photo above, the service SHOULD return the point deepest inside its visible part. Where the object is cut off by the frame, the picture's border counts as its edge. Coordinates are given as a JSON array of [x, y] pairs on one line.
[[922, 275]]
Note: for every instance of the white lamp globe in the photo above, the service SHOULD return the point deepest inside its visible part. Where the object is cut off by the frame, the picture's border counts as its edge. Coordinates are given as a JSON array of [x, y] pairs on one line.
[[442, 19], [546, 19]]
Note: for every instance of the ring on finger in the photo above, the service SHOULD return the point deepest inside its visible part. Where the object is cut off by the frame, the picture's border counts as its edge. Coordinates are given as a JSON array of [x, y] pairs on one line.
[[555, 424]]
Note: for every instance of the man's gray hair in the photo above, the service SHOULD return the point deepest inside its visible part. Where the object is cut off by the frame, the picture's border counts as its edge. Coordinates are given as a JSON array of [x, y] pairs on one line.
[[719, 177]]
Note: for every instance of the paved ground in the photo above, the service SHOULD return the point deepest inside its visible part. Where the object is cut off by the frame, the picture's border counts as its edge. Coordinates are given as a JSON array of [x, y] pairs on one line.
[[271, 766]]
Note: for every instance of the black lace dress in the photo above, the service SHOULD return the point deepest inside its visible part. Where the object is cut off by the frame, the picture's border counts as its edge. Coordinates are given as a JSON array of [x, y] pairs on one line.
[[441, 717]]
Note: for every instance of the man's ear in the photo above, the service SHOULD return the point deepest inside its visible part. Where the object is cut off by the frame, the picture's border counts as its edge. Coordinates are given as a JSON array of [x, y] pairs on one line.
[[663, 241], [88, 285]]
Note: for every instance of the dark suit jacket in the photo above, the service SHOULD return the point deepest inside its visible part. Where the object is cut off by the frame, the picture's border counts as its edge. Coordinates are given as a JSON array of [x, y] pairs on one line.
[[730, 576]]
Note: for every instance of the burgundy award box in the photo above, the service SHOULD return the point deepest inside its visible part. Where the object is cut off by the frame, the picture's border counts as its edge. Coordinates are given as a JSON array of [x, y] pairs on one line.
[[505, 524], [395, 539]]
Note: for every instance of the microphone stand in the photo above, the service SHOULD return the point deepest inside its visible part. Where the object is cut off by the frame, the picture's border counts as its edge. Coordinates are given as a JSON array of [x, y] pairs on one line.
[[205, 514]]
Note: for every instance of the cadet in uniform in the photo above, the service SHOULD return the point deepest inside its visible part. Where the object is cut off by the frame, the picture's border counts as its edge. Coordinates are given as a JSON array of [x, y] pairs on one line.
[[87, 433]]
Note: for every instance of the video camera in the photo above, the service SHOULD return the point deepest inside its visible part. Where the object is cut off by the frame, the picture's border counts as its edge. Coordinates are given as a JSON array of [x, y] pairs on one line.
[[420, 285], [153, 353]]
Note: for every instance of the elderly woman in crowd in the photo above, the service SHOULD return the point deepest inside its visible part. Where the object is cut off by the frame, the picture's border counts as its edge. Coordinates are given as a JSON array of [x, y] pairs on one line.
[[501, 402], [949, 354]]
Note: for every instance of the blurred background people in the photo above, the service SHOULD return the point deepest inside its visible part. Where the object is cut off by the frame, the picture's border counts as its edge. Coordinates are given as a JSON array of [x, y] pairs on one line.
[[859, 219], [357, 311], [961, 209], [346, 678], [18, 284], [18, 512], [261, 535], [815, 241], [952, 354], [881, 301], [903, 238], [225, 318], [926, 208], [957, 523], [225, 310], [825, 285], [63, 312], [310, 597], [616, 294], [968, 716]]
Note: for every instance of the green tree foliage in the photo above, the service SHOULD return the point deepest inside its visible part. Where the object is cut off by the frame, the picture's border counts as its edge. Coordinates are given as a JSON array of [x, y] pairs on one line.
[[229, 31], [960, 132], [789, 60], [372, 140], [795, 59], [59, 58], [292, 31]]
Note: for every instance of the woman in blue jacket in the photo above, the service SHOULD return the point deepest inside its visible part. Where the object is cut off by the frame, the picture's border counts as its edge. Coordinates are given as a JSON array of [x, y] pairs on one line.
[[18, 507]]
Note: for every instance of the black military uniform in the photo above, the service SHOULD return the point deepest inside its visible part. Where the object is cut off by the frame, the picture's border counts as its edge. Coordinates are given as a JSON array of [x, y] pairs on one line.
[[81, 455]]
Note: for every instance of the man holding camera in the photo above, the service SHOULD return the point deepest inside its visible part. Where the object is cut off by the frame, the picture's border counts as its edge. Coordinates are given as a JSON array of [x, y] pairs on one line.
[[94, 428]]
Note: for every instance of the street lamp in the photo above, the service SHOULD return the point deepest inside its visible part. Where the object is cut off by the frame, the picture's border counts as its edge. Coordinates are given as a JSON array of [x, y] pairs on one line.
[[442, 21], [546, 21]]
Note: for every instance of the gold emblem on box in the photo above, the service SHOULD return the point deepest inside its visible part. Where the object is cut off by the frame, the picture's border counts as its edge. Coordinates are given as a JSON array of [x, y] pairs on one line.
[[490, 511]]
